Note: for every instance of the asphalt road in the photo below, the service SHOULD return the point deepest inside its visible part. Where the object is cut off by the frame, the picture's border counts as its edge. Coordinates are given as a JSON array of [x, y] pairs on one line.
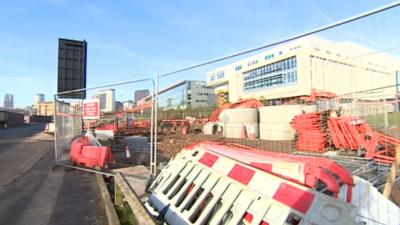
[[32, 192]]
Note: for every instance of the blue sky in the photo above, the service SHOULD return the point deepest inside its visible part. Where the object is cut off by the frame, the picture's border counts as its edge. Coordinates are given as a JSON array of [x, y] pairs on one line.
[[134, 39]]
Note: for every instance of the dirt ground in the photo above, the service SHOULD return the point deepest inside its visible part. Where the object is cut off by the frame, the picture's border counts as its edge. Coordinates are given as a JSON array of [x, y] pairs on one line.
[[171, 144]]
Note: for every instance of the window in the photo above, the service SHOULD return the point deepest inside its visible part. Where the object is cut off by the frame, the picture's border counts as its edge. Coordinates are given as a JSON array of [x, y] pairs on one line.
[[271, 75], [212, 77], [220, 74], [238, 67]]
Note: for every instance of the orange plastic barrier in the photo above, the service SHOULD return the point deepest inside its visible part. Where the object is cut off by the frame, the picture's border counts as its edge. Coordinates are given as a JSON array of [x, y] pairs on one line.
[[83, 153]]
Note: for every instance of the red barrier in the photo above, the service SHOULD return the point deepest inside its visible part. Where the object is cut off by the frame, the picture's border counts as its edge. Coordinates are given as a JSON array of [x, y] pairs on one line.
[[95, 156], [76, 147], [83, 153]]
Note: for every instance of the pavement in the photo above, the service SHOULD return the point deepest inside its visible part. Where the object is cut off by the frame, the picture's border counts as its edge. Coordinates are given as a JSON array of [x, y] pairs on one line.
[[33, 192]]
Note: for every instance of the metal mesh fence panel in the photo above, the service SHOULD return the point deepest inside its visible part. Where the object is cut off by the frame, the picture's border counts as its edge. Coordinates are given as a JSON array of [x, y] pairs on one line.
[[118, 115], [68, 125], [333, 94]]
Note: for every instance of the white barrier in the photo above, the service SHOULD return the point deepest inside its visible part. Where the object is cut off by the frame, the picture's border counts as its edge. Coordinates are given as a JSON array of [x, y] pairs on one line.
[[202, 187]]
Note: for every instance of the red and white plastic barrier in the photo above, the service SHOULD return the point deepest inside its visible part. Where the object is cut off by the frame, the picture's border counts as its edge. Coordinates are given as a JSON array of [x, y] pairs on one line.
[[305, 170], [202, 185]]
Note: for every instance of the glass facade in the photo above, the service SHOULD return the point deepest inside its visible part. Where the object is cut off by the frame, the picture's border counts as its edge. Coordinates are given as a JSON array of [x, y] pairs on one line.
[[280, 73], [174, 98]]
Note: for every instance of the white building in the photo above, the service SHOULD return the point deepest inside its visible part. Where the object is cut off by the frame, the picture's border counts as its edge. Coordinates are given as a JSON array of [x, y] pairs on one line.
[[294, 69], [107, 100]]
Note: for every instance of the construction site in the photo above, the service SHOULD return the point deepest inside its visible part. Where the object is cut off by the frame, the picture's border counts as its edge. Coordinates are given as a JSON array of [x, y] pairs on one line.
[[304, 130]]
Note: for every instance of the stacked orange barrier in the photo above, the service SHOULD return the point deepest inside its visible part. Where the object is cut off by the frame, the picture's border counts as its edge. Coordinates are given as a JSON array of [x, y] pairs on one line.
[[311, 131], [316, 131]]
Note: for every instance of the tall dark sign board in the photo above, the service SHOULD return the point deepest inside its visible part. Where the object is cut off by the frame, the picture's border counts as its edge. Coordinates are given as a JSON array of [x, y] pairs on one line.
[[71, 68]]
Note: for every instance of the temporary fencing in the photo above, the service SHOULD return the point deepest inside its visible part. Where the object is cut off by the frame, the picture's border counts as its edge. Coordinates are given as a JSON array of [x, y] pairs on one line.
[[68, 120], [325, 95], [123, 129], [327, 73]]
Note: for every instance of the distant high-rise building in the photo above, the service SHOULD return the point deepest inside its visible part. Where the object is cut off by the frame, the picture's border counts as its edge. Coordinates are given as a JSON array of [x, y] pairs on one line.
[[8, 101], [118, 106], [107, 100], [128, 104], [139, 94], [39, 98]]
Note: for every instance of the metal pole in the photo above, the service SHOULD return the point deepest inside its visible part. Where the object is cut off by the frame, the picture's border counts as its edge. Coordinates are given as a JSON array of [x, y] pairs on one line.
[[385, 112], [156, 122], [55, 127], [152, 130]]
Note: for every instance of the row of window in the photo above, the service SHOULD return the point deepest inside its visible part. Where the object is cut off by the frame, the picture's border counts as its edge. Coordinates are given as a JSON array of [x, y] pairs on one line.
[[286, 64], [203, 94], [197, 100], [271, 81], [220, 75]]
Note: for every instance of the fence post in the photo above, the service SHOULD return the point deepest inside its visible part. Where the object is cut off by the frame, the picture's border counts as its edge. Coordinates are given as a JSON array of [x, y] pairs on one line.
[[152, 129], [393, 173], [154, 172], [385, 113], [55, 126]]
